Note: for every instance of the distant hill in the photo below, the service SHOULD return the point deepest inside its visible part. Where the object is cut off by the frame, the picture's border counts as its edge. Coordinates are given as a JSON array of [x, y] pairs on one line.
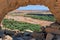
[[31, 11]]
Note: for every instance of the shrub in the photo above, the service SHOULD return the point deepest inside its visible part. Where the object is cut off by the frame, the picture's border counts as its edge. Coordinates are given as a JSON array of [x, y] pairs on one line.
[[48, 18], [12, 24]]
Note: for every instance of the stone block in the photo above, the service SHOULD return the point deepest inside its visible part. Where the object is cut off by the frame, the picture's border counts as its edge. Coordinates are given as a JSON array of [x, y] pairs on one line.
[[52, 30], [49, 36]]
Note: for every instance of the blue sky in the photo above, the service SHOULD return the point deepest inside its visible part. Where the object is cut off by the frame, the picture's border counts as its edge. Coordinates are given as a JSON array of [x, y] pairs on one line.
[[33, 7]]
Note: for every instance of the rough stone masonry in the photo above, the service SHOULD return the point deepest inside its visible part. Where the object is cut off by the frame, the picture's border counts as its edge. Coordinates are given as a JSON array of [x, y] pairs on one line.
[[9, 5]]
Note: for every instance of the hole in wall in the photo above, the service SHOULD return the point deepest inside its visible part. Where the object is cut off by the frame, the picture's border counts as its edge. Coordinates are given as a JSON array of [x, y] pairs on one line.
[[40, 15]]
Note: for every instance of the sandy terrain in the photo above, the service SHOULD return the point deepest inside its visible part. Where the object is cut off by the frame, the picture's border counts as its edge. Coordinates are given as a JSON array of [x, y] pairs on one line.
[[29, 20]]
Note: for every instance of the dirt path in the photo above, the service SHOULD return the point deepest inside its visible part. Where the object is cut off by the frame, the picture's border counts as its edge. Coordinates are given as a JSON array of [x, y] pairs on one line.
[[29, 20]]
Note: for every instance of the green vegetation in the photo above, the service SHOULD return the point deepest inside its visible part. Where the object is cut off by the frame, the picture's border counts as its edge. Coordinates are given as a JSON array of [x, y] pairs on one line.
[[12, 24], [48, 18]]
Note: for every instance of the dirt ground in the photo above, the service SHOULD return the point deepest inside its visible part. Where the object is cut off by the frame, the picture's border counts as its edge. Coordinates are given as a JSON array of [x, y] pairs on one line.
[[29, 20]]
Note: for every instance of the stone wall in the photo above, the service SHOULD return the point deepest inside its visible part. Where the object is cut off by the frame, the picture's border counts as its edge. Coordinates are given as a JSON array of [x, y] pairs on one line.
[[9, 5]]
